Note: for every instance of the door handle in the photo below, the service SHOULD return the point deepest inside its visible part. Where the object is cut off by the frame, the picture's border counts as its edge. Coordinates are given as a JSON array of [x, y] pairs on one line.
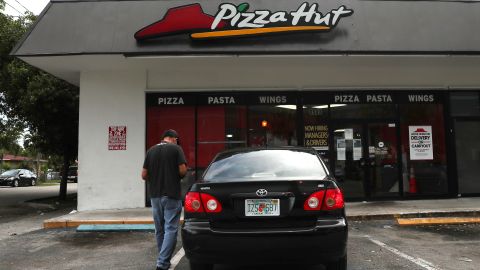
[[362, 162]]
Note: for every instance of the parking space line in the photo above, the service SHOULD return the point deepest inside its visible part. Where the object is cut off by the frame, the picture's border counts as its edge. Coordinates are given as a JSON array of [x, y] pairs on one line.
[[418, 261], [176, 259]]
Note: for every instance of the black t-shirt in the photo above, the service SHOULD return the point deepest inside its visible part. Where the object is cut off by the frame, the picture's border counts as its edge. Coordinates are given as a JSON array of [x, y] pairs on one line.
[[162, 163]]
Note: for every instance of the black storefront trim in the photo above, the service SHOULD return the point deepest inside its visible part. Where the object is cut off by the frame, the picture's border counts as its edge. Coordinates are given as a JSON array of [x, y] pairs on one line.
[[452, 171]]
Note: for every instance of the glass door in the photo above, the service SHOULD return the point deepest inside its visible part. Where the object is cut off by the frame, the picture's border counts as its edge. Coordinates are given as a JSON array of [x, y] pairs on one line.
[[349, 159], [366, 160], [382, 162]]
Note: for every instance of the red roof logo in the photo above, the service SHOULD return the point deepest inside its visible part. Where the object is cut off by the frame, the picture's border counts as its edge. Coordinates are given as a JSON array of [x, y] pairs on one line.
[[420, 130], [179, 20]]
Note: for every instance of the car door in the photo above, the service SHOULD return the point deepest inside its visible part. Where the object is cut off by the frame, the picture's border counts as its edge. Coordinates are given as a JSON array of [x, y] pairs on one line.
[[25, 178], [29, 177], [21, 177]]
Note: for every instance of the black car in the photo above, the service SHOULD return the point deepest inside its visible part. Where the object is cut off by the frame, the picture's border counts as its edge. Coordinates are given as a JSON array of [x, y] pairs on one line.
[[265, 206], [18, 177], [72, 174]]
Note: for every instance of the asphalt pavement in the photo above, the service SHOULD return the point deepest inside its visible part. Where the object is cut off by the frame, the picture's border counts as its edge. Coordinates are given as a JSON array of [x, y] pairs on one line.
[[24, 209], [372, 245], [376, 241]]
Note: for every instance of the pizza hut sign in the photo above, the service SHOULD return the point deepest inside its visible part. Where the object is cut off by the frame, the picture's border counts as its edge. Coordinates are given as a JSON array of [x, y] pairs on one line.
[[240, 20], [117, 138]]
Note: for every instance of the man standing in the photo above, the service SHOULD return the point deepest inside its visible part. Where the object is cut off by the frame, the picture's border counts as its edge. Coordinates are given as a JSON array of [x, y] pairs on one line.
[[163, 168]]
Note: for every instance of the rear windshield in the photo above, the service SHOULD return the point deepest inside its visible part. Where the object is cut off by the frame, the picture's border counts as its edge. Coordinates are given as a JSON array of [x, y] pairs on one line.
[[264, 165]]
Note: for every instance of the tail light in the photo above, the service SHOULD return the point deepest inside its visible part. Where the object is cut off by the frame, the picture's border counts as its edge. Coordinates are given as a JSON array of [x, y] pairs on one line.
[[196, 202], [333, 199], [193, 203], [326, 200], [314, 202], [211, 204]]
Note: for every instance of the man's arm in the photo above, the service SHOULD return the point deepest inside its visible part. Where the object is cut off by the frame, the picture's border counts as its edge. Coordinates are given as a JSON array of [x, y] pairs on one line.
[[144, 174], [182, 170]]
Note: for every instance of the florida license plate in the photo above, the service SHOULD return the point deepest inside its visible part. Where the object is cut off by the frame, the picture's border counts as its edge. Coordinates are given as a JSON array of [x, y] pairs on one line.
[[262, 207]]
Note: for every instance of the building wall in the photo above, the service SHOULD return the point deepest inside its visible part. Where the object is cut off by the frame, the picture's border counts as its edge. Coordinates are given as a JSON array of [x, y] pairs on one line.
[[111, 179], [312, 72]]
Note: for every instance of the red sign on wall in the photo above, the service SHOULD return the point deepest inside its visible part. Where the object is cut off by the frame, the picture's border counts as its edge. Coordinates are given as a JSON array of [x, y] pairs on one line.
[[117, 138]]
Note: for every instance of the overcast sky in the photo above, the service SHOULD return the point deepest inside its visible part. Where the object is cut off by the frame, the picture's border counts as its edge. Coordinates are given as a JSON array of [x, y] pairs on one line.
[[18, 7]]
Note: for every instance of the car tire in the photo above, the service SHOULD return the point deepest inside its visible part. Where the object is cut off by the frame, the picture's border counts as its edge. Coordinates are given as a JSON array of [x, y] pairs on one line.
[[341, 264], [33, 182], [200, 266], [15, 183]]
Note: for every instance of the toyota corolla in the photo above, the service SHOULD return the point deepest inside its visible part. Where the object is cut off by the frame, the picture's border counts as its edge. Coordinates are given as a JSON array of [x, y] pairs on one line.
[[265, 206]]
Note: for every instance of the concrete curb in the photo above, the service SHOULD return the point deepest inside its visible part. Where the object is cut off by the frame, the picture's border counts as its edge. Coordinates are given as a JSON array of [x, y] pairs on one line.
[[437, 221], [424, 214], [116, 228], [57, 223]]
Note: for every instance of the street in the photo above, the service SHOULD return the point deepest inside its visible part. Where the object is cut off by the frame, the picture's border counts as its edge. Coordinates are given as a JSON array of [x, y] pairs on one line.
[[372, 245], [13, 196], [23, 209]]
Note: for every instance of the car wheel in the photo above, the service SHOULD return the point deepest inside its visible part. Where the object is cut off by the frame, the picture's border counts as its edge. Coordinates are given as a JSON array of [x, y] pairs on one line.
[[338, 265], [33, 183], [15, 183], [200, 266]]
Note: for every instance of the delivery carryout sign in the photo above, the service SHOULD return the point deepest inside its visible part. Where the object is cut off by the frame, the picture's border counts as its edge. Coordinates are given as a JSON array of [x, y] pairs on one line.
[[237, 20], [421, 143]]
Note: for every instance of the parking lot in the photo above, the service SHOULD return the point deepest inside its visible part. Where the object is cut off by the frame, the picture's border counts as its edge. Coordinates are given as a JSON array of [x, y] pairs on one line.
[[372, 245]]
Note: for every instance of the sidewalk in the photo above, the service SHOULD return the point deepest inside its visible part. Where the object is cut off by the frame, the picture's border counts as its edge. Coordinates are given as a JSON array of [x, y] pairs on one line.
[[461, 207]]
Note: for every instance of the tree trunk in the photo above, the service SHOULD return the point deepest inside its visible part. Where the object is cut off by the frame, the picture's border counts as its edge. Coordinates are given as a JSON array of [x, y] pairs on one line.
[[37, 168], [63, 182]]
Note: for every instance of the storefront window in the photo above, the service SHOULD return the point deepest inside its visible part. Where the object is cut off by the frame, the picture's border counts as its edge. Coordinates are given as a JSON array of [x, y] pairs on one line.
[[315, 111], [424, 166], [465, 104], [465, 108], [219, 128], [316, 129], [181, 119], [468, 156], [368, 111], [279, 129]]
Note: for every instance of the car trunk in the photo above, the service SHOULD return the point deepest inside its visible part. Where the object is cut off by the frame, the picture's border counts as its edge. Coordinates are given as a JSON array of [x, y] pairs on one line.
[[283, 204]]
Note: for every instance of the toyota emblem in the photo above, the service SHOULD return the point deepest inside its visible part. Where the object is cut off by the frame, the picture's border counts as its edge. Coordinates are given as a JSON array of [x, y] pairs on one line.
[[261, 192]]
